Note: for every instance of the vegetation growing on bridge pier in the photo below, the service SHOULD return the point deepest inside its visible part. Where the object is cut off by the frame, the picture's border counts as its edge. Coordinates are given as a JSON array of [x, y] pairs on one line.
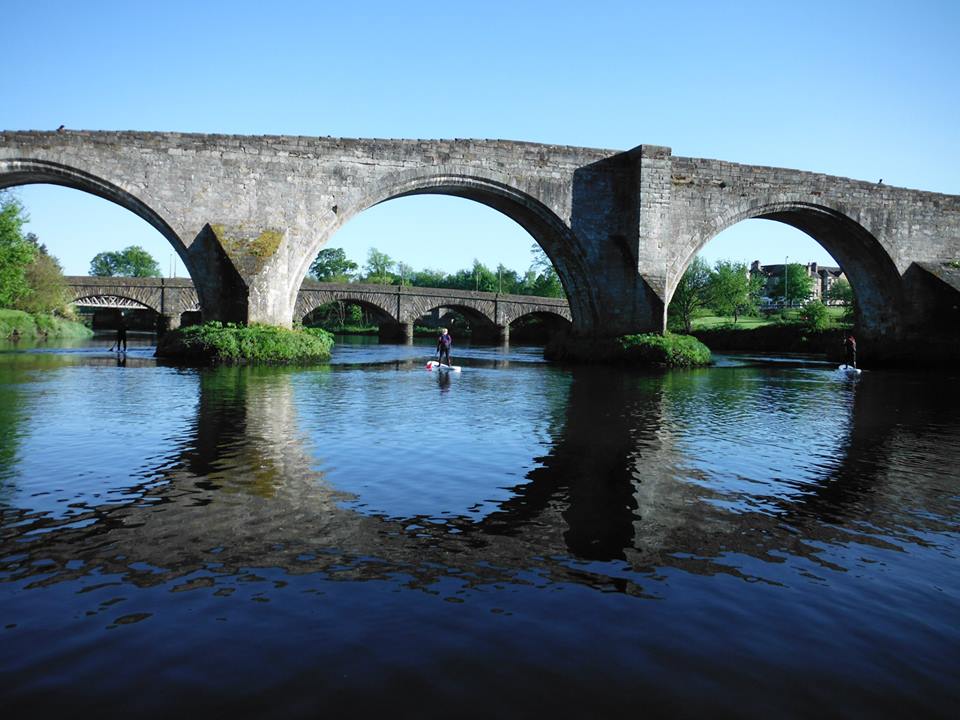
[[214, 343]]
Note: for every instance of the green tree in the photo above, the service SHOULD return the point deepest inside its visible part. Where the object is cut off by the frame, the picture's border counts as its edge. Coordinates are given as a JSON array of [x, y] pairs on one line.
[[691, 293], [484, 279], [132, 261], [733, 292], [814, 315], [507, 280], [799, 285], [379, 265], [48, 291], [841, 292], [406, 273], [428, 278], [16, 251], [461, 280], [333, 265], [547, 282]]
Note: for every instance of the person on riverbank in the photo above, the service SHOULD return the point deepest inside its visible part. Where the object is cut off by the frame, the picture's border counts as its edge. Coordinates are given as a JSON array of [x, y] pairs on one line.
[[443, 346], [850, 350]]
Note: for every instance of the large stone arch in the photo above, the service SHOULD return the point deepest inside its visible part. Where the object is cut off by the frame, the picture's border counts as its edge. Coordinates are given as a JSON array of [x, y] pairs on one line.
[[546, 227], [871, 270], [27, 171]]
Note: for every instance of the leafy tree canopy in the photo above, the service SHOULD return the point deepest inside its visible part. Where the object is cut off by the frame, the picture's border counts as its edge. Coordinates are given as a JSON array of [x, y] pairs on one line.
[[332, 265], [733, 291], [691, 294], [541, 279], [378, 267], [48, 288], [799, 285], [132, 261], [16, 251], [841, 292]]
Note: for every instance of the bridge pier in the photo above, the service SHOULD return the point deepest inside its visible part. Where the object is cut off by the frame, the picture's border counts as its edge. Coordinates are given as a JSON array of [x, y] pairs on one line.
[[503, 334], [167, 321], [396, 331]]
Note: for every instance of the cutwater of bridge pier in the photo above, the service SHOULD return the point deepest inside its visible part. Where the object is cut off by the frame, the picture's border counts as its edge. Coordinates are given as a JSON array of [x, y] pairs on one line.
[[248, 214]]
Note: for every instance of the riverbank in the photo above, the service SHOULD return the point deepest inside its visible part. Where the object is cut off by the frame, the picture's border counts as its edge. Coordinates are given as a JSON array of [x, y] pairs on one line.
[[20, 325], [214, 343], [781, 337]]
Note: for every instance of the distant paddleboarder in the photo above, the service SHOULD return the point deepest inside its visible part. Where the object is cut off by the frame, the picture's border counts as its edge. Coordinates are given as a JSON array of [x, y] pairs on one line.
[[122, 334], [850, 350]]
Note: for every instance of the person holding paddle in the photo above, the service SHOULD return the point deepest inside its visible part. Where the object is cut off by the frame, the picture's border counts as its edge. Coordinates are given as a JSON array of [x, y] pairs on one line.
[[443, 346], [850, 350]]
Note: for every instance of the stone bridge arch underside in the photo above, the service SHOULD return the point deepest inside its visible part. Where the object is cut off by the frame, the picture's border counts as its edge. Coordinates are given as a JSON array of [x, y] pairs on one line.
[[540, 218], [891, 243], [247, 215], [863, 259], [126, 194]]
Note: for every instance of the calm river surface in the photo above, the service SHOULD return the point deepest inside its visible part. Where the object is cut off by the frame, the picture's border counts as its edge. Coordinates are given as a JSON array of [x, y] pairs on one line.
[[757, 539]]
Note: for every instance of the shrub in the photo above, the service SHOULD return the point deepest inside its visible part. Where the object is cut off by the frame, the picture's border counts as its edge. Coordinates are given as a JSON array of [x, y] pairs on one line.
[[814, 316], [667, 349], [216, 343]]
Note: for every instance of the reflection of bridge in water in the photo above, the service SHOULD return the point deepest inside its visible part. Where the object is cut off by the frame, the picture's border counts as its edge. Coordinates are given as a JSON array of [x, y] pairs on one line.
[[396, 307], [245, 492]]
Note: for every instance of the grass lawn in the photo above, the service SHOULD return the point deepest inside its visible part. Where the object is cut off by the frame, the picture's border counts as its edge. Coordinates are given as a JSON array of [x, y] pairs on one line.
[[705, 321]]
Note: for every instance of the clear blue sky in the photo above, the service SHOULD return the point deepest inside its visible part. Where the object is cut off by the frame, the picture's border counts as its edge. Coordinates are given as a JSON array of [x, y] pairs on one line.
[[860, 89]]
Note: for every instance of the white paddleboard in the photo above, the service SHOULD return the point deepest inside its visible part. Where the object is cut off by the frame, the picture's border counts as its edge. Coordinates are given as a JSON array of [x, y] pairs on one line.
[[434, 365], [849, 369]]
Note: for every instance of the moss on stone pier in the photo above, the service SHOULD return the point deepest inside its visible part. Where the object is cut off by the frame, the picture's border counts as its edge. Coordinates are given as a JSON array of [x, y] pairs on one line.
[[239, 246]]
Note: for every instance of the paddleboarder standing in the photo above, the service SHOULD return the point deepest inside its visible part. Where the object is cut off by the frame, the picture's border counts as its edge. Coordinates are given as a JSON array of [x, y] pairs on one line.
[[122, 333], [443, 346], [850, 350]]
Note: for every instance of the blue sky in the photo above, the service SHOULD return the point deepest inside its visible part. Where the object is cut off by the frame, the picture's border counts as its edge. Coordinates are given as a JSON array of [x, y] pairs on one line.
[[866, 90]]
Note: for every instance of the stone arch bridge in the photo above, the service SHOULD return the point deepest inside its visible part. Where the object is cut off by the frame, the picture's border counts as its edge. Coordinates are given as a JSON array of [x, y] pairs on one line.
[[396, 306], [247, 215]]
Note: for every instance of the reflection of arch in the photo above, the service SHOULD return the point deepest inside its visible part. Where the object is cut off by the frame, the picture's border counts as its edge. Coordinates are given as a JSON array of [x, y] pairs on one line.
[[32, 172], [864, 260], [543, 224]]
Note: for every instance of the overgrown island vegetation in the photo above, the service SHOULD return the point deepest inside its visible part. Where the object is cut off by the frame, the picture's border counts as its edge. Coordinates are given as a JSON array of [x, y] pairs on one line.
[[214, 343], [34, 299]]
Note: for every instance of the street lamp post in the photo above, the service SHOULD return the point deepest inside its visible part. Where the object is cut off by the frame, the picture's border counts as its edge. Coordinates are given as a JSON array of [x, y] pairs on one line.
[[786, 279]]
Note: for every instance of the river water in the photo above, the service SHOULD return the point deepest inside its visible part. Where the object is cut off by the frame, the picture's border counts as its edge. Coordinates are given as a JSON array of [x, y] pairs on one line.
[[766, 537]]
